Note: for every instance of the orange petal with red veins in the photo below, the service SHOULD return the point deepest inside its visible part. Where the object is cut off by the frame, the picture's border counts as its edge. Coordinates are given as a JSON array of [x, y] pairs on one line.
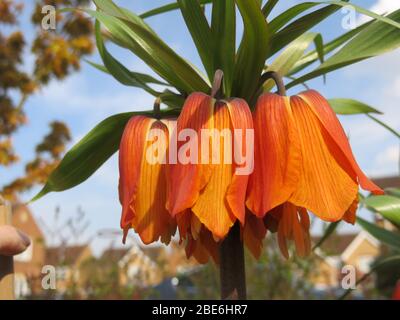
[[188, 179], [277, 155], [332, 125], [243, 147], [254, 233], [151, 219], [211, 206], [324, 188], [130, 162]]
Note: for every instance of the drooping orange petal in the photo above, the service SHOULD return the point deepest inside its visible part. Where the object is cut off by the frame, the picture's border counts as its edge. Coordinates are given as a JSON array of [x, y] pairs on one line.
[[208, 242], [130, 162], [187, 179], [324, 188], [254, 233], [350, 215], [332, 125], [294, 225], [202, 248], [301, 234], [151, 219], [211, 206], [195, 249], [195, 227], [243, 157], [277, 156]]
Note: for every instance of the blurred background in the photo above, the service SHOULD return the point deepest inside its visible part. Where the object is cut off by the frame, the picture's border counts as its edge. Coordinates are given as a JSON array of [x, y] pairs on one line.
[[50, 97]]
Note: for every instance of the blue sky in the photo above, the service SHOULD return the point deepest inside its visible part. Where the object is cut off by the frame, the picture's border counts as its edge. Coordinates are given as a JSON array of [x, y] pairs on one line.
[[87, 97]]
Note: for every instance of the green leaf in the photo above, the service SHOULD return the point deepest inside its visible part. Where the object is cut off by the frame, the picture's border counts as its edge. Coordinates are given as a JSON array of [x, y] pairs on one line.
[[390, 129], [90, 153], [143, 76], [117, 69], [166, 8], [387, 262], [366, 12], [129, 78], [331, 228], [253, 49], [376, 39], [288, 58], [387, 206], [350, 106], [393, 191], [223, 29], [313, 56], [200, 31], [286, 16], [299, 26], [268, 7], [390, 238], [154, 52], [306, 22], [109, 7]]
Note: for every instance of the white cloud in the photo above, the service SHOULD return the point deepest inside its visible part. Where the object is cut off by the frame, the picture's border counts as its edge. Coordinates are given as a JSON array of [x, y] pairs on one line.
[[73, 96], [381, 7], [387, 162], [385, 6]]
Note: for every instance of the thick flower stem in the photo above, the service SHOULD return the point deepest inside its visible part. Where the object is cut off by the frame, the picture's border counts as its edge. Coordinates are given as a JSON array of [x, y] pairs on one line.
[[232, 267], [278, 81]]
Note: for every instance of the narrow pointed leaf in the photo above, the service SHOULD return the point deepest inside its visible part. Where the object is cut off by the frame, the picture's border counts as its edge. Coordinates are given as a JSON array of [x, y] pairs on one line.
[[286, 16], [387, 127], [288, 58], [223, 28], [378, 38], [109, 7], [387, 262], [117, 69], [331, 229], [143, 76], [312, 56], [253, 49], [300, 26], [350, 106], [393, 191], [154, 52], [200, 31], [167, 8], [268, 7], [387, 206], [392, 239]]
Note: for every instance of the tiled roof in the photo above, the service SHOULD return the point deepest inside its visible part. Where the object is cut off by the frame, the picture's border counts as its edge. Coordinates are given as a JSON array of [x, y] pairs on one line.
[[336, 243], [388, 182], [114, 254]]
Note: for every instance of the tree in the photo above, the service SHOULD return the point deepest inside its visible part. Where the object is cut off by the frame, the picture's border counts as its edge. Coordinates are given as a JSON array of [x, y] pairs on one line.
[[57, 54]]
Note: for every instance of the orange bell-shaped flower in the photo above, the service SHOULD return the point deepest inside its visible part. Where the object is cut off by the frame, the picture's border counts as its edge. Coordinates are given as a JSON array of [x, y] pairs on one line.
[[209, 178], [303, 161], [143, 180]]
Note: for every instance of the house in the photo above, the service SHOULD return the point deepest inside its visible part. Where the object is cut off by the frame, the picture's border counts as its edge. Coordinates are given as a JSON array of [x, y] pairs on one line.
[[139, 268], [146, 266], [28, 265], [356, 249], [68, 261], [388, 182]]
